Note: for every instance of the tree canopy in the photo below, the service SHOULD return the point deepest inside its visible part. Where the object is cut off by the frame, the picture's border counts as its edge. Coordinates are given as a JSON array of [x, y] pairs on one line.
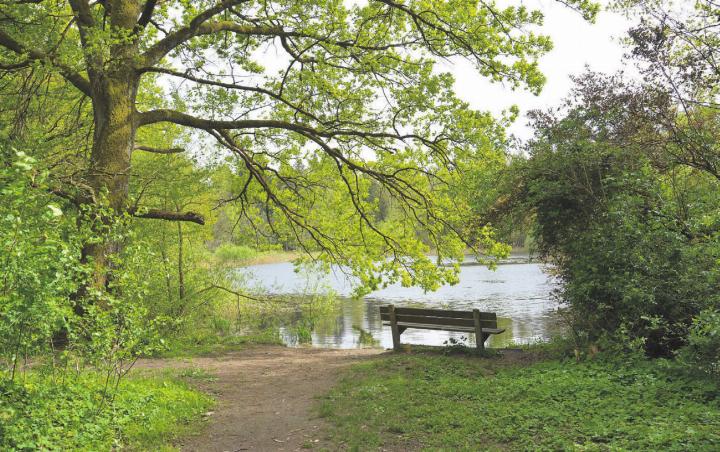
[[315, 101]]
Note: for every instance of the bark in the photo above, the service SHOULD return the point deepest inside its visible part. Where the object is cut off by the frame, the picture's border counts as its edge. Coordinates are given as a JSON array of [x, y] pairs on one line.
[[165, 260], [181, 270], [113, 86], [167, 215], [113, 141]]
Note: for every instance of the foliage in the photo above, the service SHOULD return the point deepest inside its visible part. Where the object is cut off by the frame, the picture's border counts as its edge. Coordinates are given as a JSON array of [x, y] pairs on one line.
[[633, 236], [436, 402], [354, 99], [41, 300], [195, 294], [703, 349], [71, 412], [210, 343], [677, 47], [621, 185], [47, 317], [40, 267]]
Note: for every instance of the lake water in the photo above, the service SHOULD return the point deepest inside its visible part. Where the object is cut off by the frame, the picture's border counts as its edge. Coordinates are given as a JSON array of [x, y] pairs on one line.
[[520, 294]]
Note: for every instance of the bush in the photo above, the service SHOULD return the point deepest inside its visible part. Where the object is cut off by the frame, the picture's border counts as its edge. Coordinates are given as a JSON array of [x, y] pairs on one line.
[[228, 252], [703, 349], [634, 240], [76, 412], [40, 267]]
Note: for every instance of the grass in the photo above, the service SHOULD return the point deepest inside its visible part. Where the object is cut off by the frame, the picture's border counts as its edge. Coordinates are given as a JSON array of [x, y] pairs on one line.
[[227, 252], [197, 374], [239, 255], [70, 412], [169, 409], [211, 344], [427, 401], [274, 257]]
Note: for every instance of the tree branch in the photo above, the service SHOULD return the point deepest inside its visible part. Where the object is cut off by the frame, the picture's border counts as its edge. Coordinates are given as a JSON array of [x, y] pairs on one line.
[[81, 8], [176, 38], [160, 150], [70, 75], [147, 13], [235, 86], [184, 119], [187, 120], [167, 44], [155, 214]]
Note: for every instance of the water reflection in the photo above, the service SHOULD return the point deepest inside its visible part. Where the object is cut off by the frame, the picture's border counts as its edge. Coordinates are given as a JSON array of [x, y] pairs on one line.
[[520, 294]]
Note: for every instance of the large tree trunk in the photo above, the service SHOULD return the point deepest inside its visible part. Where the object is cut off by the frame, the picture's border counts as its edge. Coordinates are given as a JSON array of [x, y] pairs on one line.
[[109, 173], [114, 85]]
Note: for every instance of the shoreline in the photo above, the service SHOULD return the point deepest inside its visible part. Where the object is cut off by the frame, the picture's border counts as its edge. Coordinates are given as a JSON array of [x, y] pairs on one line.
[[279, 257]]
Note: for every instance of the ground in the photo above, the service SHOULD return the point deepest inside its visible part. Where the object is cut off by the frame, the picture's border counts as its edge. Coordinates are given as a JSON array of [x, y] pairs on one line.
[[523, 401], [267, 396], [285, 399]]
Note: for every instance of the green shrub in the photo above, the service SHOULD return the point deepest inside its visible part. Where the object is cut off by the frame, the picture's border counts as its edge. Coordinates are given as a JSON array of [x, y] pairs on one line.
[[703, 349], [265, 247], [39, 267], [634, 240], [228, 252], [76, 412]]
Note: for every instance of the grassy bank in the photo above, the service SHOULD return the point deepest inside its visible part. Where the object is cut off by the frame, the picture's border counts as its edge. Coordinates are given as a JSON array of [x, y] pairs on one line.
[[210, 344], [72, 412], [240, 256], [429, 401]]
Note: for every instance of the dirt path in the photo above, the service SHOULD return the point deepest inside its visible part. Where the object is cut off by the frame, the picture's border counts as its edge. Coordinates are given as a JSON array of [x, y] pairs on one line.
[[266, 396]]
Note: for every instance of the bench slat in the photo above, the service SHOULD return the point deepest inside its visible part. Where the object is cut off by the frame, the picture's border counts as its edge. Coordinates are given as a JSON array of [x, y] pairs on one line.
[[434, 320], [466, 329], [438, 313], [441, 321]]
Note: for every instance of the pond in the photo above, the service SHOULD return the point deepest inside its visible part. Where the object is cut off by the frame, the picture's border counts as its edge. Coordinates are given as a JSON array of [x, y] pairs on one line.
[[520, 294]]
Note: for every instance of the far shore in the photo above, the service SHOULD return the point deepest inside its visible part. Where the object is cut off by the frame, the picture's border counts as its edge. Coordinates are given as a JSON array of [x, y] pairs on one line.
[[517, 256]]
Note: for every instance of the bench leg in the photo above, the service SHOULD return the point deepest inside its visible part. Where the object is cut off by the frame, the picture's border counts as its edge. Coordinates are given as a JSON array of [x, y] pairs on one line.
[[479, 336], [394, 328]]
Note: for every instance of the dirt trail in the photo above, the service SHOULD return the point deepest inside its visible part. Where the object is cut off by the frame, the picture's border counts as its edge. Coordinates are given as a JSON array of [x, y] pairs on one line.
[[266, 396]]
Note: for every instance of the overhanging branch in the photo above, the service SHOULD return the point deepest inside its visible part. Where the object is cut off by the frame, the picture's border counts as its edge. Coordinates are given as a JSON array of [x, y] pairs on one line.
[[147, 13], [155, 214], [184, 119], [187, 120], [70, 75], [160, 150], [235, 86], [181, 35]]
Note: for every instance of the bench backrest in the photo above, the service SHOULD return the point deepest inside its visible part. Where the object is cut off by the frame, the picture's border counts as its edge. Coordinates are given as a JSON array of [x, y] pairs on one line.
[[439, 317]]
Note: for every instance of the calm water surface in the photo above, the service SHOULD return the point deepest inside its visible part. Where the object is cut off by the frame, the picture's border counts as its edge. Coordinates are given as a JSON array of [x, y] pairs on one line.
[[520, 294]]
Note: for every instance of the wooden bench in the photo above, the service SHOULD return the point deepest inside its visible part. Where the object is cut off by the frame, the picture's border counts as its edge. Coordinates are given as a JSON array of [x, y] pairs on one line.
[[483, 324]]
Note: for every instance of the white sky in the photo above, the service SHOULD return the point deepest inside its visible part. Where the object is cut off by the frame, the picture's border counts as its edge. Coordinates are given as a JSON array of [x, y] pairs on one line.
[[577, 43]]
